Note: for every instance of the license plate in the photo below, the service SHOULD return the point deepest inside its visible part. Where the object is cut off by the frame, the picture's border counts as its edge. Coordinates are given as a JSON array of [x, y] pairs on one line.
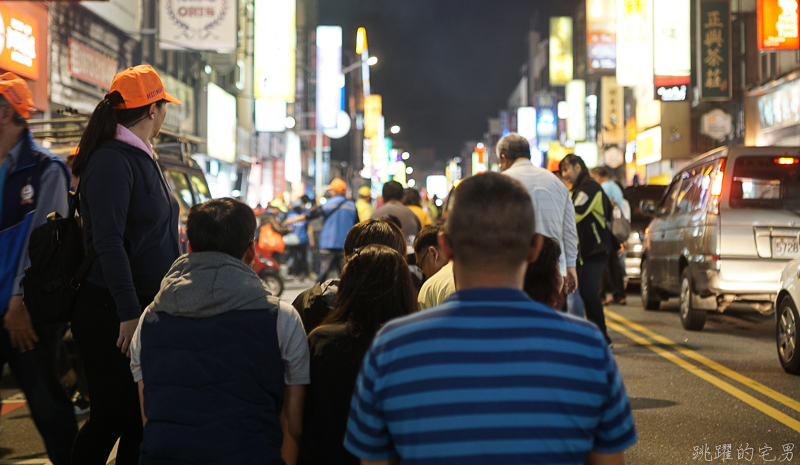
[[785, 247]]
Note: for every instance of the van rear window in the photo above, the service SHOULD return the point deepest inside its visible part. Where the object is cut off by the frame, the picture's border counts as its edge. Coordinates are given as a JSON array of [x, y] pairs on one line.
[[771, 182]]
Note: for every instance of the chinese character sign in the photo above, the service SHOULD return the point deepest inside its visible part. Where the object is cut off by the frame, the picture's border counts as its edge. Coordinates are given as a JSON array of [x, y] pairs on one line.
[[777, 25], [634, 42], [612, 111], [715, 50], [601, 34]]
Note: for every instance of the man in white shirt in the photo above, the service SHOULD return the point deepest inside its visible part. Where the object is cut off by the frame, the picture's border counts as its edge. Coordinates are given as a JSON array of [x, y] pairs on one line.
[[552, 204]]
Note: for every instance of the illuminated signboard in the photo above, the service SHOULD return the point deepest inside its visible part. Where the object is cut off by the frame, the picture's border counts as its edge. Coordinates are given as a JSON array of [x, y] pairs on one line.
[[526, 123], [601, 34], [714, 44], [193, 25], [546, 124], [275, 44], [778, 25], [18, 35], [672, 49], [648, 146], [373, 107], [270, 115], [560, 50], [634, 42], [576, 101], [612, 118], [221, 124], [329, 76]]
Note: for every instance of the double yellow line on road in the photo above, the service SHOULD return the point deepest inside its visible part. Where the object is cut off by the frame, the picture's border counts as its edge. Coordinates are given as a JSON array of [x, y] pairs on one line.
[[634, 331]]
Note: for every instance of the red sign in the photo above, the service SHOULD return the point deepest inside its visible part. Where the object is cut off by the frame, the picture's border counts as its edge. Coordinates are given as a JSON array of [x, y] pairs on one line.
[[778, 25], [89, 65], [19, 33]]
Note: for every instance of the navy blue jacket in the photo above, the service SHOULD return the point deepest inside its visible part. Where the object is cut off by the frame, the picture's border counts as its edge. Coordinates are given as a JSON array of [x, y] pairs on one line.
[[130, 217], [219, 388]]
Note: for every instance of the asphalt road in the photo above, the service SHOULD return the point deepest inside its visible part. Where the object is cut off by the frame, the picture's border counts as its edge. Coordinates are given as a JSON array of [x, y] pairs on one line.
[[718, 396]]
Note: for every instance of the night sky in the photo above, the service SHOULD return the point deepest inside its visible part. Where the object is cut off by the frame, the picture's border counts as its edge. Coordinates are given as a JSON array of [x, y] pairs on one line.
[[445, 66]]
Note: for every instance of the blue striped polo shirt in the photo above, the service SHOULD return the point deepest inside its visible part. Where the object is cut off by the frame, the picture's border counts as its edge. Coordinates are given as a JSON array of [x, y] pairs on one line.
[[489, 377]]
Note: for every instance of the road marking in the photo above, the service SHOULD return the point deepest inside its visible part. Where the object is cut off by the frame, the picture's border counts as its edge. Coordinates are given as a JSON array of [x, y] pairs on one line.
[[12, 403], [27, 462], [751, 383], [700, 373]]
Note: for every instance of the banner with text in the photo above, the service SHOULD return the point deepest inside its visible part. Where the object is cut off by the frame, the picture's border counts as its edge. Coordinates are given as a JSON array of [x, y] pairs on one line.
[[193, 25]]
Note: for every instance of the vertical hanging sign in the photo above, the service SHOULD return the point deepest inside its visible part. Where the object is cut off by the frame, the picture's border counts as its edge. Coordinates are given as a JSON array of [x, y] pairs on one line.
[[612, 111], [560, 50], [714, 43], [634, 42]]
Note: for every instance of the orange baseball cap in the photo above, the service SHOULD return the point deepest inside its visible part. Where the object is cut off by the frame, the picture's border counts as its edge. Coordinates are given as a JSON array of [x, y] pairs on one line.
[[139, 86], [337, 185], [16, 91]]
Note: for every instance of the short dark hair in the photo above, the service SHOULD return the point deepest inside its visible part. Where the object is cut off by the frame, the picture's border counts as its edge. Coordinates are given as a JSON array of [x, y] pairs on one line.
[[541, 280], [490, 221], [573, 160], [514, 146], [373, 231], [221, 225], [600, 171], [412, 197], [392, 190], [427, 237]]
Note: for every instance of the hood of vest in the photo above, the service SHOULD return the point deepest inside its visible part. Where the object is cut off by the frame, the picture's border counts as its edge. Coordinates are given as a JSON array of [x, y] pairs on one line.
[[206, 284]]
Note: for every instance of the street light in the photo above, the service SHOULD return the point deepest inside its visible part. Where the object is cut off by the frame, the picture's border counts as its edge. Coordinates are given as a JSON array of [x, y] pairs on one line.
[[395, 129], [290, 122], [406, 155], [409, 170], [354, 66]]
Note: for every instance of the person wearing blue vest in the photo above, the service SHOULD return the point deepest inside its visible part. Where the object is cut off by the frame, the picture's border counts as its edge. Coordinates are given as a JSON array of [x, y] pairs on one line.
[[33, 183], [339, 215], [217, 358]]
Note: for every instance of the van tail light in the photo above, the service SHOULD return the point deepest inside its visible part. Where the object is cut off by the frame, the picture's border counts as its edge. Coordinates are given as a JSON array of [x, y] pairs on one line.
[[716, 188], [787, 161]]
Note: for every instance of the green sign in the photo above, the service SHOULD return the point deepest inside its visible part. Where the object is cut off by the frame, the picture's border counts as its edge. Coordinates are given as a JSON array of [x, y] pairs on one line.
[[714, 43]]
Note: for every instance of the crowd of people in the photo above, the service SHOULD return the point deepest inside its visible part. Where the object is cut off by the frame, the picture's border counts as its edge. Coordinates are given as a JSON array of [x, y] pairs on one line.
[[189, 359]]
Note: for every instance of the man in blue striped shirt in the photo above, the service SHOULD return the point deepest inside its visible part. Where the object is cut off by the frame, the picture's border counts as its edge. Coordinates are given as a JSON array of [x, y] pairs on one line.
[[490, 377]]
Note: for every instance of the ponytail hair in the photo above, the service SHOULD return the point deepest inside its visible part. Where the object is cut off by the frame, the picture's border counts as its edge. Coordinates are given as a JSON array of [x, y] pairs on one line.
[[102, 126]]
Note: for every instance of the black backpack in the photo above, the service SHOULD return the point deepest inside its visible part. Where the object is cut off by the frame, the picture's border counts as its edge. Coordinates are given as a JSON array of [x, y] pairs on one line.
[[58, 265]]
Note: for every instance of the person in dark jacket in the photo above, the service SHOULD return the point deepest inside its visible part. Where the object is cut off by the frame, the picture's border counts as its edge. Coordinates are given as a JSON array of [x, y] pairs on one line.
[[595, 240], [314, 304], [33, 184], [217, 358], [130, 218], [375, 288]]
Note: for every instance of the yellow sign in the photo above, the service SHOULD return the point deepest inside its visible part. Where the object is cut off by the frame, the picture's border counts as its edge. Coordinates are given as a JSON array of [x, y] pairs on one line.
[[361, 40], [634, 42], [560, 50], [275, 43], [373, 108]]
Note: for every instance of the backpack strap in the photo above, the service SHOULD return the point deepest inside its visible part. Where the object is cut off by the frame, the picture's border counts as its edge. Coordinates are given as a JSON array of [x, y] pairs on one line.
[[80, 273]]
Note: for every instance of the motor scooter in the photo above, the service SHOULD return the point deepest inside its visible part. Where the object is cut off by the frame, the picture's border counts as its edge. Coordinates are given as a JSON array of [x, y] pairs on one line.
[[268, 269]]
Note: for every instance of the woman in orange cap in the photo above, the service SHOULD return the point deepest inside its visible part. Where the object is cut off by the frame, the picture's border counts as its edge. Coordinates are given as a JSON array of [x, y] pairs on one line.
[[130, 219]]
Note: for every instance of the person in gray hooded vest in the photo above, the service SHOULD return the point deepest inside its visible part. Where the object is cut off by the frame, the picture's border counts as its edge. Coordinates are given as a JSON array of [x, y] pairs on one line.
[[217, 358]]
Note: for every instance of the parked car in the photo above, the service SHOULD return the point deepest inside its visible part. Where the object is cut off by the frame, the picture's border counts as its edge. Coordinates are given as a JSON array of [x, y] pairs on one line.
[[727, 226], [186, 179], [636, 195], [787, 318]]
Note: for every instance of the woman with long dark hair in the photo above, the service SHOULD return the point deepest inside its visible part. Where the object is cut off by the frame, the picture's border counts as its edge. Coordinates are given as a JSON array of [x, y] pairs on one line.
[[375, 287], [130, 220]]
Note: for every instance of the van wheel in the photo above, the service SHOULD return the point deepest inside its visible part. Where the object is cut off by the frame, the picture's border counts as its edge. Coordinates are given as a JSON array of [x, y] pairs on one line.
[[273, 282], [691, 318], [650, 300], [786, 336]]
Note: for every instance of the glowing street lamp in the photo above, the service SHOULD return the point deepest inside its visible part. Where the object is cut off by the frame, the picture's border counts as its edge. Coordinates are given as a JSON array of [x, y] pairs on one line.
[[406, 155], [394, 129]]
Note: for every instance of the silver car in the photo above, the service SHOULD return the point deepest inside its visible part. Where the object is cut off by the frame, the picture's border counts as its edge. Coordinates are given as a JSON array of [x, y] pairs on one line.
[[727, 226]]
